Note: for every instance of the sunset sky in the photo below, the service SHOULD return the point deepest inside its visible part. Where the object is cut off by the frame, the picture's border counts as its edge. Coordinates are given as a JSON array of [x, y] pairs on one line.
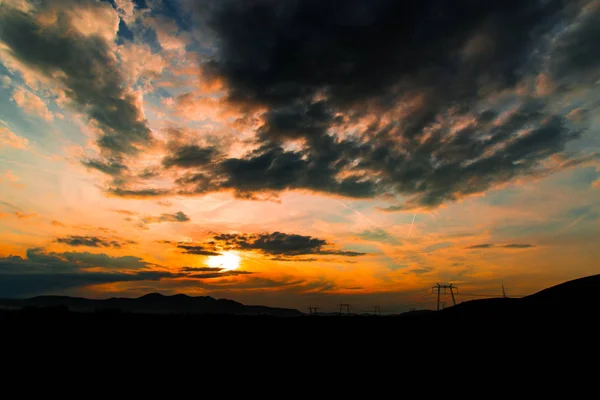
[[298, 153]]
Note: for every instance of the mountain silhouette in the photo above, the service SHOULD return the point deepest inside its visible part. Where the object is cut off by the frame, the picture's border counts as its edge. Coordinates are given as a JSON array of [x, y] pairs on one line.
[[572, 299], [153, 303]]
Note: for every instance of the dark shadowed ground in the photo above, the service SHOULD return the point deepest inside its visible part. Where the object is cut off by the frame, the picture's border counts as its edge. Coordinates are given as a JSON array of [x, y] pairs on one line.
[[544, 320]]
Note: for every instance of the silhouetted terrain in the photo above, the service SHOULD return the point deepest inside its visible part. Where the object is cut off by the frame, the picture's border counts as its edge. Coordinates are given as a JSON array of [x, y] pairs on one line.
[[567, 300], [568, 307], [153, 303]]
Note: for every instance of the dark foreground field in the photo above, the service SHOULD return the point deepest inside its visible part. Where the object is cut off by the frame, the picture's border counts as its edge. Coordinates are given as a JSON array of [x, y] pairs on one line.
[[561, 310], [560, 320]]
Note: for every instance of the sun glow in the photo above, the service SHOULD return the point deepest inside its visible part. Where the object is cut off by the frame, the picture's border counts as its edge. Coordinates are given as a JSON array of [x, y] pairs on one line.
[[228, 260]]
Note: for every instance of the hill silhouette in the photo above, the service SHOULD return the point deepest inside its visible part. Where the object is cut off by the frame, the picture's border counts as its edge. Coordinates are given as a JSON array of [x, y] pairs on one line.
[[152, 303], [572, 298]]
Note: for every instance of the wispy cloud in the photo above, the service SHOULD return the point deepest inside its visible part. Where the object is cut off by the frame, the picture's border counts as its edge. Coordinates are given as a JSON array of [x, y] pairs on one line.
[[502, 246], [92, 241]]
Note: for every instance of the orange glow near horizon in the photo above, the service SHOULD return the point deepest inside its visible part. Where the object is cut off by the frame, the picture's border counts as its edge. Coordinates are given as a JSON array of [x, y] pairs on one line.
[[297, 176]]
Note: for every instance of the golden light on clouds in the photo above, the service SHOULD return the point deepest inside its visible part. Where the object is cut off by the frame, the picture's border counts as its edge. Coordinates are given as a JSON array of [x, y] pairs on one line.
[[137, 152]]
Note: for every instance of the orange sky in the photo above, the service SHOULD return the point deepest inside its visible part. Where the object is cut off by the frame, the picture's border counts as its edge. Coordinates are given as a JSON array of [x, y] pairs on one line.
[[79, 217]]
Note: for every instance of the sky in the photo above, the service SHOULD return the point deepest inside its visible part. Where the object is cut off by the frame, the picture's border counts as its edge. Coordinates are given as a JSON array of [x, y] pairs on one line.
[[298, 153]]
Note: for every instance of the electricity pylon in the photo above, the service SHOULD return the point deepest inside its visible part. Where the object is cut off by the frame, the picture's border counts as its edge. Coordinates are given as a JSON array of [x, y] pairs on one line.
[[346, 306], [439, 288]]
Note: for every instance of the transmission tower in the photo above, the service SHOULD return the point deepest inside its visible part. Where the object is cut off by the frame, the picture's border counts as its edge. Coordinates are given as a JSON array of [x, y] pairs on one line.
[[377, 310], [312, 310], [347, 307], [439, 288], [503, 292]]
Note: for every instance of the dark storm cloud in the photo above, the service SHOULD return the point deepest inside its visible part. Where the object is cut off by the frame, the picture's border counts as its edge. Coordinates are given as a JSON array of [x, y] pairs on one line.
[[86, 68], [318, 66], [505, 246], [283, 54], [279, 244], [190, 156], [198, 250], [92, 241], [270, 168], [576, 50]]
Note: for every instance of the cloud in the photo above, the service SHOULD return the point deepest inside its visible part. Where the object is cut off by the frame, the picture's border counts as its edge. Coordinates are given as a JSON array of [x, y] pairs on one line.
[[377, 235], [110, 167], [198, 250], [126, 9], [57, 223], [574, 48], [202, 269], [190, 156], [75, 54], [518, 246], [213, 275], [22, 215], [386, 99], [418, 104], [168, 33], [8, 205], [481, 246], [279, 244], [60, 262], [10, 139], [165, 217], [138, 193], [505, 246], [126, 212], [437, 246], [43, 272], [92, 241], [9, 176], [32, 104]]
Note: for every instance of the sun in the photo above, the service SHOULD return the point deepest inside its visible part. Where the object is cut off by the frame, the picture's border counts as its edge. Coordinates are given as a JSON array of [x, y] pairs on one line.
[[228, 260]]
